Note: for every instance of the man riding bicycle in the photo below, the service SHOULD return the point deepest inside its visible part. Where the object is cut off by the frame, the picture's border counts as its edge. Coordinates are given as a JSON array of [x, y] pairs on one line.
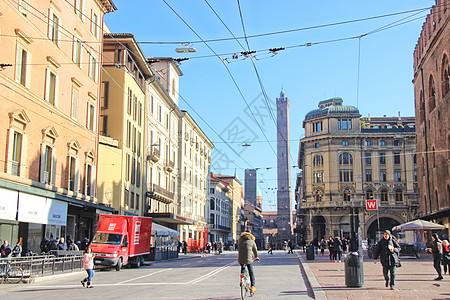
[[246, 250]]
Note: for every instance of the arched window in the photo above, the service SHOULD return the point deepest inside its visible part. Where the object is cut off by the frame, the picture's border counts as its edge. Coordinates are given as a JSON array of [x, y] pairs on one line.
[[345, 159], [421, 108], [399, 195], [318, 161], [369, 194], [384, 195], [431, 94], [445, 73], [318, 196], [347, 195]]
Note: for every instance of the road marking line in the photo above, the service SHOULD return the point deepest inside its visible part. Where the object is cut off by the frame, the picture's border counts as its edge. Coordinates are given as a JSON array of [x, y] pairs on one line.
[[187, 264], [151, 274], [210, 274]]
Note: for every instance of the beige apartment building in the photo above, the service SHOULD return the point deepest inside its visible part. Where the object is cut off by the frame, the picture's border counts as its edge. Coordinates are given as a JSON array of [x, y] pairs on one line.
[[236, 192], [195, 157], [122, 154], [346, 160], [162, 143], [219, 212], [50, 92]]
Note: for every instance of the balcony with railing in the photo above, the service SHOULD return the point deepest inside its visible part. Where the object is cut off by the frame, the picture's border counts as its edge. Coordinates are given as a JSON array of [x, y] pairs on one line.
[[154, 155], [15, 168], [169, 166], [160, 194]]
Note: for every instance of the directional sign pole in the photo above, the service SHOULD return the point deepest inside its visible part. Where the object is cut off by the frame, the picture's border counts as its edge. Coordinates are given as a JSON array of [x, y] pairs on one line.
[[378, 220]]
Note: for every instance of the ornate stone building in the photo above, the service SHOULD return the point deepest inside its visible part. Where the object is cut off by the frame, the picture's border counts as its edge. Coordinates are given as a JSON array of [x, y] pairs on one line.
[[345, 160], [432, 96]]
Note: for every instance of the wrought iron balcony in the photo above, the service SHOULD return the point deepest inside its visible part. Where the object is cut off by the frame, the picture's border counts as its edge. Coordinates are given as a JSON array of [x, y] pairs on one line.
[[161, 194], [154, 155], [15, 168], [169, 166]]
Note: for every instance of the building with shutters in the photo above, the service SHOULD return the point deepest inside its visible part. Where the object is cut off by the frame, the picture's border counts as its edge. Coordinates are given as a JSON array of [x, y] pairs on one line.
[[50, 97]]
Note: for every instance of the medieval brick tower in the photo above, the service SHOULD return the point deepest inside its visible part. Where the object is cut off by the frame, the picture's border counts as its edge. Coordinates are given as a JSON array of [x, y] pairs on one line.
[[284, 204]]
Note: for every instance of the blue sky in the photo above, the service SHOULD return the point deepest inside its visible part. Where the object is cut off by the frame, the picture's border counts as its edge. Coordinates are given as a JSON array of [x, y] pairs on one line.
[[307, 74]]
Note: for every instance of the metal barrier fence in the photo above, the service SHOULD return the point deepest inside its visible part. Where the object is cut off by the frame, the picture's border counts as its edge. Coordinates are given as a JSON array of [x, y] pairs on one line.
[[37, 266]]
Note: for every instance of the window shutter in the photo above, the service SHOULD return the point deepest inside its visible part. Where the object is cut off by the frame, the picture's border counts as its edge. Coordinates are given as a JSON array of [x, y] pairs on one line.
[[56, 90], [47, 85], [42, 164], [23, 159], [53, 170], [77, 174], [28, 71], [18, 64], [93, 173], [10, 151]]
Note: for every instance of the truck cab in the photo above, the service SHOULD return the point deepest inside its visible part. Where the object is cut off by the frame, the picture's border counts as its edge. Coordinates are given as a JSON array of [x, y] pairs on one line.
[[110, 243]]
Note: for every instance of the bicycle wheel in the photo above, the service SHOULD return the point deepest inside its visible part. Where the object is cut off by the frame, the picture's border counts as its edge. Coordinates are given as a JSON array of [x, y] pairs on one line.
[[244, 289], [14, 275]]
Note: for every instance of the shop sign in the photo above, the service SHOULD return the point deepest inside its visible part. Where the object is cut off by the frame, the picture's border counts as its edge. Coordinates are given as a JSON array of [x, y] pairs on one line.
[[41, 210], [8, 204]]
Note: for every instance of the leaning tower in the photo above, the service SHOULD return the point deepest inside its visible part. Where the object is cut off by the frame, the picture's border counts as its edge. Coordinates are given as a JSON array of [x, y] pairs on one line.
[[284, 205]]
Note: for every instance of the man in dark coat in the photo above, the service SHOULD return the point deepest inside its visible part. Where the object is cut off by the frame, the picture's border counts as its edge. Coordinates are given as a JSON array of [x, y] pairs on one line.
[[246, 251], [388, 249], [436, 250], [337, 249]]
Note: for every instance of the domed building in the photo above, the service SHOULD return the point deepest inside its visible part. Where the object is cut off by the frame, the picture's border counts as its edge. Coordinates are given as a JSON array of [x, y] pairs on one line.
[[345, 160]]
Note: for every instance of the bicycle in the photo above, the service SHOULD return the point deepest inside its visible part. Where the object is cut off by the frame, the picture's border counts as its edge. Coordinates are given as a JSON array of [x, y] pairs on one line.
[[245, 284], [12, 274]]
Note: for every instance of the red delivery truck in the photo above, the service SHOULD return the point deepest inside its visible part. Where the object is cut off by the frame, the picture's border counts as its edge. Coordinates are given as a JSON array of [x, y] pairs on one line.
[[120, 240]]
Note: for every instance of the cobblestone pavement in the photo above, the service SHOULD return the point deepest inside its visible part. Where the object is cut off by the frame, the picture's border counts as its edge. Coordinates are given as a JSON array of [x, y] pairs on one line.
[[414, 280]]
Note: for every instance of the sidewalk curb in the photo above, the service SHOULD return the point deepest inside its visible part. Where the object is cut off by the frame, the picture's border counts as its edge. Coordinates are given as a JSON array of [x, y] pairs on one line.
[[314, 285]]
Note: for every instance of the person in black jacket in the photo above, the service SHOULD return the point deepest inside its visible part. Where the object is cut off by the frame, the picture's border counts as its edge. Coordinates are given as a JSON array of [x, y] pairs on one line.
[[388, 249], [436, 250], [337, 249]]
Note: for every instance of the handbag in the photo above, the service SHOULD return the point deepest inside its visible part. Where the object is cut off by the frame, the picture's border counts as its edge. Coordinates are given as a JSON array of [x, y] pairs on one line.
[[398, 264]]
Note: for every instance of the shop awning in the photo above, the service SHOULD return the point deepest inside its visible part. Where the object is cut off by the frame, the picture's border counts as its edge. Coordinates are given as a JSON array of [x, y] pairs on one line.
[[8, 204], [41, 210], [172, 218], [162, 230]]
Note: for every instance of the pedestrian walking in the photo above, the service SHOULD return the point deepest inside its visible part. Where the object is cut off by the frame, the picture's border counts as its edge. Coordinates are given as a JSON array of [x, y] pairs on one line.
[[271, 248], [337, 249], [88, 262], [323, 245], [62, 245], [436, 251], [446, 256], [44, 245], [388, 250], [330, 243], [303, 244], [290, 247], [185, 247], [17, 250]]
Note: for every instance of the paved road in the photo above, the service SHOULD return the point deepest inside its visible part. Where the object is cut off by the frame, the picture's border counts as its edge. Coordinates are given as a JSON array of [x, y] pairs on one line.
[[278, 276]]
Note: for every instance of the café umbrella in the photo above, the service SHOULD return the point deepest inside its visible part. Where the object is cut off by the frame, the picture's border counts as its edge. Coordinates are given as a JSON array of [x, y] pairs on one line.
[[418, 225]]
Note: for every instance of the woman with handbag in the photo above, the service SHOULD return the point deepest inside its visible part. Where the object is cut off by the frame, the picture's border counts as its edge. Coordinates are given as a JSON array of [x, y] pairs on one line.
[[388, 250]]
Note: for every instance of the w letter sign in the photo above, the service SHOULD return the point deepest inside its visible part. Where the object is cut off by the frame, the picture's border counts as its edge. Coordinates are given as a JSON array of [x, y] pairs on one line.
[[371, 204]]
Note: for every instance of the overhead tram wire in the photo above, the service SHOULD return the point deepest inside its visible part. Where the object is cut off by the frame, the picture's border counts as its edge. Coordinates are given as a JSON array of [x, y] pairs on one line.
[[68, 33], [295, 29], [266, 97], [229, 72]]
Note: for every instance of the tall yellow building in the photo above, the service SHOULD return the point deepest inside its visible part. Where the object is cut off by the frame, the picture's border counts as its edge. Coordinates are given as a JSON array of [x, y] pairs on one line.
[[122, 155]]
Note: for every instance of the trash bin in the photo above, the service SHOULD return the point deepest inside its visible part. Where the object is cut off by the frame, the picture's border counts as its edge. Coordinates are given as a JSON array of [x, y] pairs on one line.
[[354, 276], [310, 252]]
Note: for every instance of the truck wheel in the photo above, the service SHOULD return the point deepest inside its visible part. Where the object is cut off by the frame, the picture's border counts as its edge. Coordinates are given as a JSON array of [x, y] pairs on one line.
[[119, 264], [138, 262]]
